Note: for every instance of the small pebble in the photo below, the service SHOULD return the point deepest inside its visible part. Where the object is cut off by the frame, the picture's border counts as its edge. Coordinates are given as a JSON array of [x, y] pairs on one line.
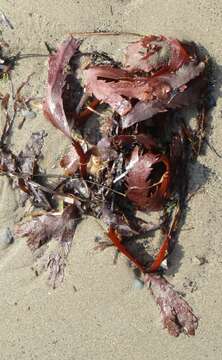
[[6, 238], [138, 284], [97, 238], [28, 114]]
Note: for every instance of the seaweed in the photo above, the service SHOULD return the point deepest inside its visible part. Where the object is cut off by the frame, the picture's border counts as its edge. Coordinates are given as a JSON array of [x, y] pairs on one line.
[[139, 163]]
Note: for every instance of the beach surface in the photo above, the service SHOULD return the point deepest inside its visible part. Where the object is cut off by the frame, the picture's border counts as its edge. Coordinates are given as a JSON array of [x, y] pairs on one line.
[[98, 313]]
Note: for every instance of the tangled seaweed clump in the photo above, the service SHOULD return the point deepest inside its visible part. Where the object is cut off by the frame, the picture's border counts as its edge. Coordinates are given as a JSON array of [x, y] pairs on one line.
[[138, 162]]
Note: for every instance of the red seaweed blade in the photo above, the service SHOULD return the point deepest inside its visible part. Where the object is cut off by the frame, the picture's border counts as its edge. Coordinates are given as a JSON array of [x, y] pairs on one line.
[[53, 104]]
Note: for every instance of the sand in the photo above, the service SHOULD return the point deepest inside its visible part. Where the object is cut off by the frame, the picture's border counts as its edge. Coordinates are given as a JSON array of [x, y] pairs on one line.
[[97, 313]]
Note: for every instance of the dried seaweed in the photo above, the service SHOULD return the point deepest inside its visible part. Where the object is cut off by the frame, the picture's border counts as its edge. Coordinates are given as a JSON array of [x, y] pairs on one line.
[[141, 189], [53, 105], [177, 315], [152, 53], [153, 84], [60, 227], [134, 165]]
